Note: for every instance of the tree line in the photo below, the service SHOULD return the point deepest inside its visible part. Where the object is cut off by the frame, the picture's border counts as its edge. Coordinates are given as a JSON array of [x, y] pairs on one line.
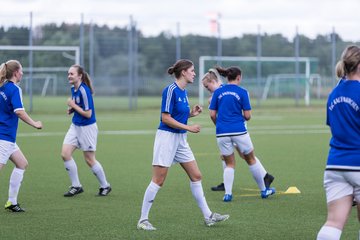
[[110, 47]]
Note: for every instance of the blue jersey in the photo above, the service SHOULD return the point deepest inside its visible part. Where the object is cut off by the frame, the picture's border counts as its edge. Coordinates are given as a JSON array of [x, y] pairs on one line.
[[230, 101], [84, 99], [343, 117], [10, 102], [176, 103]]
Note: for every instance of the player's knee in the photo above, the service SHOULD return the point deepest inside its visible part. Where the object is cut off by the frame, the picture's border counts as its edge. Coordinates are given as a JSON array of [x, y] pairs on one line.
[[196, 177], [22, 165]]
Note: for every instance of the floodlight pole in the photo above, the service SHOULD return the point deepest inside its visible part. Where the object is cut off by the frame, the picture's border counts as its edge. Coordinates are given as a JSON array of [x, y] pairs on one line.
[[258, 64], [297, 67], [333, 54], [30, 64], [219, 41], [82, 40], [178, 41]]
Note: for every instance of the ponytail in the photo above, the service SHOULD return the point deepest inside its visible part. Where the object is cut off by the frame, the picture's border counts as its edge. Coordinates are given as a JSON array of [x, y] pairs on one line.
[[2, 73], [230, 73]]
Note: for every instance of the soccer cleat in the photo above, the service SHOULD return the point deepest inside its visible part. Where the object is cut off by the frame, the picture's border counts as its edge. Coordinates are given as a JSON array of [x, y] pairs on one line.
[[145, 225], [268, 179], [214, 218], [104, 191], [219, 187], [227, 197], [267, 192], [13, 208], [73, 191]]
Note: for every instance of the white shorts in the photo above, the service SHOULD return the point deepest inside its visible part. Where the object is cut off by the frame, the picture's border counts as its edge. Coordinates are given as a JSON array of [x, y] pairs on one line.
[[82, 137], [6, 150], [243, 142], [171, 148], [339, 184]]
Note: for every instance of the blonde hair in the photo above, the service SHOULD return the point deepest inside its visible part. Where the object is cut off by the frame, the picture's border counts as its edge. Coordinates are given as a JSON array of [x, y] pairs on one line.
[[349, 61], [212, 75], [8, 69]]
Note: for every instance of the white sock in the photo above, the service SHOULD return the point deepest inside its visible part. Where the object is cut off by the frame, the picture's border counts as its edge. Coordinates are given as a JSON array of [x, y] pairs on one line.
[[98, 171], [223, 164], [329, 233], [148, 200], [258, 172], [15, 183], [71, 168], [228, 179], [198, 194]]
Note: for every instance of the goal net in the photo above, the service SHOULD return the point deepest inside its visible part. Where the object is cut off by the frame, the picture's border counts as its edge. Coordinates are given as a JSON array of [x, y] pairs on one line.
[[268, 77]]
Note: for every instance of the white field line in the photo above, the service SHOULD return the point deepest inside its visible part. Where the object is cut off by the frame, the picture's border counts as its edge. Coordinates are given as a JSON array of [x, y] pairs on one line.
[[261, 130]]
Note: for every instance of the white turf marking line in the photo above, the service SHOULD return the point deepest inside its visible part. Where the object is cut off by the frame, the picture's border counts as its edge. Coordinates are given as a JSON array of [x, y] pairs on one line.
[[120, 132], [264, 130]]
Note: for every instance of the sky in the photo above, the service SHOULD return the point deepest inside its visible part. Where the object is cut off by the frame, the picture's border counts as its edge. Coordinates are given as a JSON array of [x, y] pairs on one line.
[[235, 17]]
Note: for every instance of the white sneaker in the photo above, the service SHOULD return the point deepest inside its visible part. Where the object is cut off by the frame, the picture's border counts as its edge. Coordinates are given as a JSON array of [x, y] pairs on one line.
[[145, 225], [214, 218]]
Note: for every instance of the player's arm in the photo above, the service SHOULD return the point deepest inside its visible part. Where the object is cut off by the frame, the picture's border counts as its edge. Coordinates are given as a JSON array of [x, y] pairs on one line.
[[167, 119], [213, 114], [247, 114], [27, 119], [72, 105]]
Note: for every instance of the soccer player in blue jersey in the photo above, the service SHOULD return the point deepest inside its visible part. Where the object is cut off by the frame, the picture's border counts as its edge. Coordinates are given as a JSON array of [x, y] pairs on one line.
[[11, 109], [342, 172], [82, 133], [212, 81], [171, 144], [229, 110]]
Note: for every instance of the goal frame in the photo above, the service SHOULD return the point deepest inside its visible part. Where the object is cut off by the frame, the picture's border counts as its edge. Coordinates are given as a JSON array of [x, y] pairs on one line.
[[306, 60]]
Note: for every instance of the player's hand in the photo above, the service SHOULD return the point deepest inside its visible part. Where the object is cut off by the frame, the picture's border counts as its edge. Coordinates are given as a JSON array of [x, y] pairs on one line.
[[71, 102], [196, 110], [38, 125], [194, 128], [70, 110]]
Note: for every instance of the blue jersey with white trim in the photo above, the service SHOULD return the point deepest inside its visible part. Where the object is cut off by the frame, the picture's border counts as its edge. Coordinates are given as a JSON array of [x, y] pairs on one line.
[[343, 117], [176, 103], [230, 101], [10, 102], [83, 99]]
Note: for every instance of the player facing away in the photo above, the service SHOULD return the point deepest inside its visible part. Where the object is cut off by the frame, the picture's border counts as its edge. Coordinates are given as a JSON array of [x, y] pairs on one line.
[[11, 109], [171, 146], [342, 172], [229, 110], [212, 81], [82, 133]]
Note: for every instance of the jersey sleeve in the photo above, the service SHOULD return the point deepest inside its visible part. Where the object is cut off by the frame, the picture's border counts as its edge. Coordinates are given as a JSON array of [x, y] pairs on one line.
[[16, 100], [87, 98], [246, 101], [168, 100]]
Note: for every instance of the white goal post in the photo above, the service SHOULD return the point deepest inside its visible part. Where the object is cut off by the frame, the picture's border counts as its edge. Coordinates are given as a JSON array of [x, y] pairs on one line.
[[305, 60]]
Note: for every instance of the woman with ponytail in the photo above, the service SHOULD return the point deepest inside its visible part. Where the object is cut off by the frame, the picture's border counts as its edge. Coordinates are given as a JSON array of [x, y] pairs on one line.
[[342, 172], [11, 109], [82, 133], [229, 110], [171, 145]]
